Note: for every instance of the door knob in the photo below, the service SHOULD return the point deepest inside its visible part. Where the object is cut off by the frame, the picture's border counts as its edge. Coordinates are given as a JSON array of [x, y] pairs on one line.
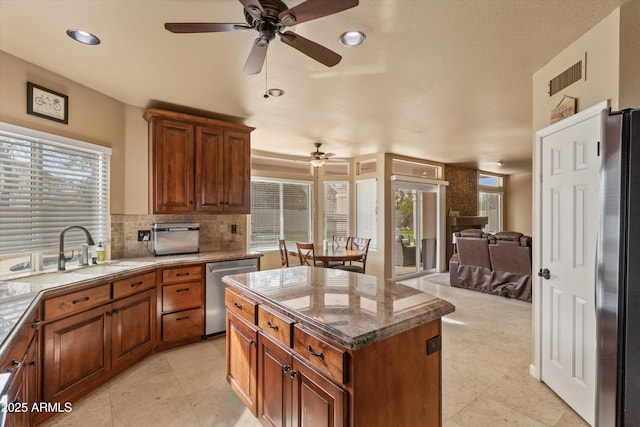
[[544, 273]]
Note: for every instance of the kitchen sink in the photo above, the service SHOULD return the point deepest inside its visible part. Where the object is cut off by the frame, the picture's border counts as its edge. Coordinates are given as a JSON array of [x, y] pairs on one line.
[[80, 273]]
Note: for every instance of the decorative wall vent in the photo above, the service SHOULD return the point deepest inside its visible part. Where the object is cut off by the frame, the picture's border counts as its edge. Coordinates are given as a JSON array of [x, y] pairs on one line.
[[566, 78]]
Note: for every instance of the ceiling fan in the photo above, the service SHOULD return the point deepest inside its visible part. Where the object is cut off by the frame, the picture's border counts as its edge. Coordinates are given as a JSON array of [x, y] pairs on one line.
[[318, 158], [271, 17]]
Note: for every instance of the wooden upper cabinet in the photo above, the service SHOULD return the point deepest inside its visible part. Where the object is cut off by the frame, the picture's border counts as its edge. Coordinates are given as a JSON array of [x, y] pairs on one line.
[[173, 149], [198, 164]]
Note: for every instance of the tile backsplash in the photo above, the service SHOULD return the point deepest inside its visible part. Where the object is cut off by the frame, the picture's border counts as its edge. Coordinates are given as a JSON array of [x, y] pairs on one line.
[[215, 233]]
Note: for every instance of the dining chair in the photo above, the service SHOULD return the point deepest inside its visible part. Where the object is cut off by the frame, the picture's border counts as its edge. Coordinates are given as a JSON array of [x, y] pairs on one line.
[[284, 254], [341, 242], [306, 254], [360, 244]]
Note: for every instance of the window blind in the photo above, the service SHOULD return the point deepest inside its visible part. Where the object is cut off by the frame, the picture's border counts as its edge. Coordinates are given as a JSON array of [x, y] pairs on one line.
[[336, 209], [366, 213], [47, 185], [280, 209]]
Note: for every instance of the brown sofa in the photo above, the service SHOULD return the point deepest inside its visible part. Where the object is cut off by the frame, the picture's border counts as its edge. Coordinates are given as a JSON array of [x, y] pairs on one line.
[[497, 264]]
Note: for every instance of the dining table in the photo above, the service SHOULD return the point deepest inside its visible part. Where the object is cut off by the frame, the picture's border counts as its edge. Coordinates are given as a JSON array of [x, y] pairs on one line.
[[334, 254]]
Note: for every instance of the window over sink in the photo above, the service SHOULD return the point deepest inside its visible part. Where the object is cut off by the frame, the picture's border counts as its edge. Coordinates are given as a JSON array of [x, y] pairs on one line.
[[48, 182]]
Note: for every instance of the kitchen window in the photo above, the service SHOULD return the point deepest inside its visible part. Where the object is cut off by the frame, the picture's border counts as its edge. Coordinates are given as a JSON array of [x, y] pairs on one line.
[[336, 209], [47, 183], [366, 210], [280, 209], [490, 201]]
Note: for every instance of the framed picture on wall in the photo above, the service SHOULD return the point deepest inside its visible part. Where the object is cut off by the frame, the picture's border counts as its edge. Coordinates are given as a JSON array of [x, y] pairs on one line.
[[46, 103]]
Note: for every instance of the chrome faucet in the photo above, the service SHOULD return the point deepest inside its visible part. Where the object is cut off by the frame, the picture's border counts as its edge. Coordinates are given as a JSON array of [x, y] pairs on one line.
[[62, 260]]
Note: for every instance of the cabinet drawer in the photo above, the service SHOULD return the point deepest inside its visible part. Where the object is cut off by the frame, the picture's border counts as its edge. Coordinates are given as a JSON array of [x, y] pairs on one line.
[[124, 287], [175, 275], [329, 359], [181, 296], [275, 324], [76, 301], [241, 306], [181, 325]]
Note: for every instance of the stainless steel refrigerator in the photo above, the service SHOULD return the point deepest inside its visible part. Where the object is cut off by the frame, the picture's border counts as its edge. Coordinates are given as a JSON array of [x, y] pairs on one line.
[[618, 272]]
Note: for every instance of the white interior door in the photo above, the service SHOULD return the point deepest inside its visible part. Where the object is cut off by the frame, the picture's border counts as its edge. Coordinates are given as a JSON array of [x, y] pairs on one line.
[[569, 165]]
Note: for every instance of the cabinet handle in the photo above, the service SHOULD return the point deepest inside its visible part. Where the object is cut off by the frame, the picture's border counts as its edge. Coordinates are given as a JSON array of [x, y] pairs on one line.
[[14, 365], [36, 323], [134, 284], [272, 326], [182, 290], [182, 318], [293, 373], [33, 362], [252, 341], [112, 312], [181, 274], [78, 301], [238, 306], [318, 355], [285, 369]]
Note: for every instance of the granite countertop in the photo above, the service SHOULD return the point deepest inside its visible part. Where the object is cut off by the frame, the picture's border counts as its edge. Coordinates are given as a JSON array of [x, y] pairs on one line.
[[351, 309], [18, 295]]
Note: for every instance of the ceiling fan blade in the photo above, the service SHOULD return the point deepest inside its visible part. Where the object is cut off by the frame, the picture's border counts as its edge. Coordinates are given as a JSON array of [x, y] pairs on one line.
[[256, 57], [313, 9], [253, 7], [311, 49], [203, 27]]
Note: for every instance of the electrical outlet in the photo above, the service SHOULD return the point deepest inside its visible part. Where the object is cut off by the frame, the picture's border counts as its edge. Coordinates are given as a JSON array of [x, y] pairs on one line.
[[144, 235], [234, 228]]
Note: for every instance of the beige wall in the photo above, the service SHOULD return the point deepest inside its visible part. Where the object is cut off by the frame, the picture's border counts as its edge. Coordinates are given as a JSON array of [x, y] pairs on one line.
[[93, 117], [518, 207], [630, 55], [601, 45], [136, 162]]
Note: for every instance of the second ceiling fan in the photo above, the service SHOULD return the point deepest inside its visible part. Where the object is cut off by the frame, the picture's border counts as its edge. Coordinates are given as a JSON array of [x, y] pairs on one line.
[[271, 17]]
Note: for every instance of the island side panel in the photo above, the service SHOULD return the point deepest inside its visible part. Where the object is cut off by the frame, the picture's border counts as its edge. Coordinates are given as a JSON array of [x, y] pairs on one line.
[[395, 382]]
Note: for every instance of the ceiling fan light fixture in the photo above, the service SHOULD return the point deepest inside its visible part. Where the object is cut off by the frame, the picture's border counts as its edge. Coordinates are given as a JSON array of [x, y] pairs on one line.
[[316, 163], [288, 20], [83, 37], [352, 38]]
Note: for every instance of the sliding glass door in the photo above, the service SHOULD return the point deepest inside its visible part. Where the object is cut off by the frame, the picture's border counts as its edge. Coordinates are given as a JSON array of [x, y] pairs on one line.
[[417, 226]]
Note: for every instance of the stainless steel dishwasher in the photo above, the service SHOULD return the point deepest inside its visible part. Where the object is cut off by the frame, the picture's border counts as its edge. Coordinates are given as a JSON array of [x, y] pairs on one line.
[[215, 312]]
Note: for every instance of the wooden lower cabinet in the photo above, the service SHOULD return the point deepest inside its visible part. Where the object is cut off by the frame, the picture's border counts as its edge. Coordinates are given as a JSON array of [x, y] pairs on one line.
[[291, 393], [181, 306], [242, 360], [83, 350]]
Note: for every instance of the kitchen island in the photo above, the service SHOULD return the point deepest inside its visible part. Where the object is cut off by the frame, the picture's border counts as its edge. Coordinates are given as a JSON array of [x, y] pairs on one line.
[[316, 346]]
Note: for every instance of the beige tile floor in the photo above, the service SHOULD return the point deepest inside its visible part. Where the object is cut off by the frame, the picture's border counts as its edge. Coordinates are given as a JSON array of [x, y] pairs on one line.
[[486, 354]]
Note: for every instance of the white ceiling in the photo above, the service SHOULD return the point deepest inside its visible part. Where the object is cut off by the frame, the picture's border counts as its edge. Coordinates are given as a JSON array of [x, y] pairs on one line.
[[445, 80]]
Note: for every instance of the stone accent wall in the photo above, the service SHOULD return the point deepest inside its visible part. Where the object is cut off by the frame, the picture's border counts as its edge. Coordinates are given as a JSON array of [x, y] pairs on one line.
[[462, 194], [215, 233]]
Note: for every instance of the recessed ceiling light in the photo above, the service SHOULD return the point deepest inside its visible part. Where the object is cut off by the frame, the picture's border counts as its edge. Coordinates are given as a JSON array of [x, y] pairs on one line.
[[83, 37], [352, 38], [499, 162], [275, 92]]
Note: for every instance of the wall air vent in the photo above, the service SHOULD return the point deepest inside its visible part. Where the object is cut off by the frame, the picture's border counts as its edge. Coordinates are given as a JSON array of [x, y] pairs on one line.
[[566, 78]]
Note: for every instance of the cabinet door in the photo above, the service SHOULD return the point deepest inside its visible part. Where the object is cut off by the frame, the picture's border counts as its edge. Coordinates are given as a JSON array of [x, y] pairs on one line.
[[209, 172], [274, 383], [318, 402], [237, 172], [173, 175], [31, 380], [75, 355], [133, 329], [242, 360], [18, 416]]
